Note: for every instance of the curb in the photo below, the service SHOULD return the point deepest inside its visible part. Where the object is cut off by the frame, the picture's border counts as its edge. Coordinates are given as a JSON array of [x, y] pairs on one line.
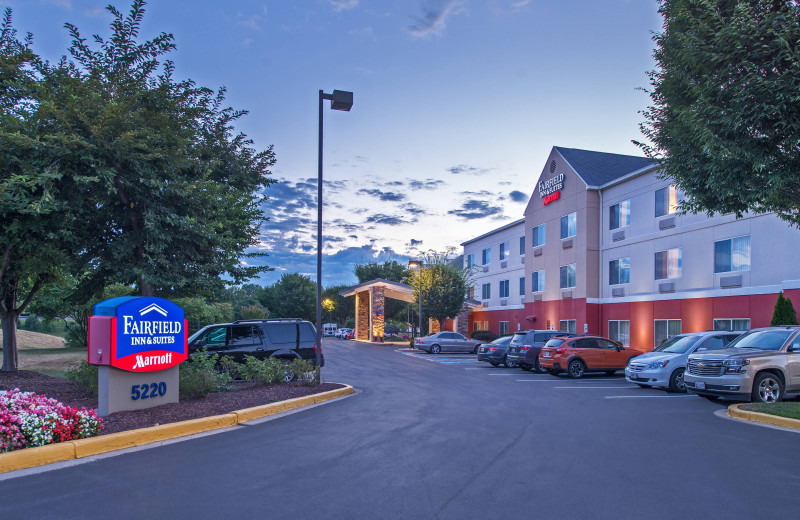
[[41, 455], [737, 413]]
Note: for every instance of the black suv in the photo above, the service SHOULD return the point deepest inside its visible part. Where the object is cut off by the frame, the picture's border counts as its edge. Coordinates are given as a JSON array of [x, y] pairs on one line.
[[524, 348], [282, 338]]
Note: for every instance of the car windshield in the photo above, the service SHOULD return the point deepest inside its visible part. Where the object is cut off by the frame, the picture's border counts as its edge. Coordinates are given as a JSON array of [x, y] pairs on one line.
[[518, 338], [502, 341], [677, 345], [554, 343], [762, 339], [194, 336]]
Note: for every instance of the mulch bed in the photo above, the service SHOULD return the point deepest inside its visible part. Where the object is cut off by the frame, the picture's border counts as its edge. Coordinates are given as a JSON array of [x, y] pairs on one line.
[[242, 395]]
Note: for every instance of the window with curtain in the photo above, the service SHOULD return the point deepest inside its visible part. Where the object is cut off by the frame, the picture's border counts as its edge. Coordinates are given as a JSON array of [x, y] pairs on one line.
[[732, 254]]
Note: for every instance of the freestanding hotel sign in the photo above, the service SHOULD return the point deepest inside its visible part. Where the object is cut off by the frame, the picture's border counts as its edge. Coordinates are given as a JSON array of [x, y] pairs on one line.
[[137, 344]]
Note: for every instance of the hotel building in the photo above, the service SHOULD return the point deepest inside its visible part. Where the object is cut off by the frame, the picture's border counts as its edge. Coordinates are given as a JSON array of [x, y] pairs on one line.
[[603, 250]]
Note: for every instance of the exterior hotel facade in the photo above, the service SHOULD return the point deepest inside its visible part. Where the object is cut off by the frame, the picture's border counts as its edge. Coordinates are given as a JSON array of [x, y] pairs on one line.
[[602, 250]]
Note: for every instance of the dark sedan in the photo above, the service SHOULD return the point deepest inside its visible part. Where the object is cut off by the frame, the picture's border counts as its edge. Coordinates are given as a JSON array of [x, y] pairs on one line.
[[495, 352]]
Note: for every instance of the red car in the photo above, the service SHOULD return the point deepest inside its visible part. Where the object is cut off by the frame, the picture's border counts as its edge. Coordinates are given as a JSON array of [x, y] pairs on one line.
[[583, 354]]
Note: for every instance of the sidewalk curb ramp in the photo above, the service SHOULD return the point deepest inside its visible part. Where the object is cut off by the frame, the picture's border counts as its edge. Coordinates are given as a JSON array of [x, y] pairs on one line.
[[31, 457]]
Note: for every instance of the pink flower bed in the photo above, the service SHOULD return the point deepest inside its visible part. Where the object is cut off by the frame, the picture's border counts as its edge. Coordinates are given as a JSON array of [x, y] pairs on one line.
[[28, 420]]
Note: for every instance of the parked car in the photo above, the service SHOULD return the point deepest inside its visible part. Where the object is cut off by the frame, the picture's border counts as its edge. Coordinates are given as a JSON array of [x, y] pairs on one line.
[[343, 332], [760, 365], [581, 354], [525, 346], [447, 342], [665, 366], [286, 339], [495, 352], [351, 334]]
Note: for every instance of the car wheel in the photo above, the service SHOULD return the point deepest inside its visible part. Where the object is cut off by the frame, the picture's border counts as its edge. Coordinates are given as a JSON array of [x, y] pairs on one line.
[[435, 349], [676, 383], [494, 363], [576, 369], [539, 368], [644, 386], [288, 375], [508, 364], [767, 388], [475, 350]]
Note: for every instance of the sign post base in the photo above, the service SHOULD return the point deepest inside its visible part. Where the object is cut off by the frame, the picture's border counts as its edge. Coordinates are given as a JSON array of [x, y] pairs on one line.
[[120, 390]]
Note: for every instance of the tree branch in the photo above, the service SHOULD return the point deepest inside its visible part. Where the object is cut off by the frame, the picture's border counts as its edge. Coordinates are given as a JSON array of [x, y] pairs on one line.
[[6, 260], [36, 285]]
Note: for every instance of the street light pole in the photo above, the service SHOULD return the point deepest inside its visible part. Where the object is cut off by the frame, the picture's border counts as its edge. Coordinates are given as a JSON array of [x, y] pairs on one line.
[[340, 100], [416, 265]]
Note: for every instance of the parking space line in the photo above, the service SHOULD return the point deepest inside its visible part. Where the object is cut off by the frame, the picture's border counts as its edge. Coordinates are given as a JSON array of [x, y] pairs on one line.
[[539, 380], [645, 396], [501, 374], [591, 387]]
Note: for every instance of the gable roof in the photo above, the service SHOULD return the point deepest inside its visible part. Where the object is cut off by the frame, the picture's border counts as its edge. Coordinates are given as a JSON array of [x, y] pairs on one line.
[[599, 168]]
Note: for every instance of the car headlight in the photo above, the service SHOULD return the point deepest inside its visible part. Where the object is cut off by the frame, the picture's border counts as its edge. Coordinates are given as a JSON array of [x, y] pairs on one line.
[[736, 366], [656, 365]]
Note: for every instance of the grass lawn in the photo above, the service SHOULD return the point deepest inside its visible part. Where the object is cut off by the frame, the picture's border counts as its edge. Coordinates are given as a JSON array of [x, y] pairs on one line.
[[782, 409], [53, 362]]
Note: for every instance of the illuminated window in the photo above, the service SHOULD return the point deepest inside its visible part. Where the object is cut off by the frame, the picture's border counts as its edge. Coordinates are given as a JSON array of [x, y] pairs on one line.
[[667, 201]]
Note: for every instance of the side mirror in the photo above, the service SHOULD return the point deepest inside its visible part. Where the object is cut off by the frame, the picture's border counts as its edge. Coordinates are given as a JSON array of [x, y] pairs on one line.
[[620, 349], [794, 348]]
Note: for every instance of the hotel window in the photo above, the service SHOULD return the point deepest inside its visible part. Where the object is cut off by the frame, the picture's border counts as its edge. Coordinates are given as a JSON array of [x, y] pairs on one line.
[[522, 245], [471, 292], [476, 325], [619, 215], [567, 326], [619, 271], [732, 254], [537, 281], [732, 324], [504, 287], [568, 225], [620, 331], [537, 236], [665, 329], [485, 325], [503, 328], [567, 280], [486, 256], [486, 291], [470, 260], [522, 286], [666, 201], [668, 264], [505, 250]]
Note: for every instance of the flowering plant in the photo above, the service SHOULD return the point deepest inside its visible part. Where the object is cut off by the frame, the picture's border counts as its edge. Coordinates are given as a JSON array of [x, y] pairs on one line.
[[28, 419]]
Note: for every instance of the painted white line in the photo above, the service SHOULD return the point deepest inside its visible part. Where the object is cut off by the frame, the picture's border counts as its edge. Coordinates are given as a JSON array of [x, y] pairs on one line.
[[590, 387], [645, 396], [480, 368], [538, 380], [501, 375]]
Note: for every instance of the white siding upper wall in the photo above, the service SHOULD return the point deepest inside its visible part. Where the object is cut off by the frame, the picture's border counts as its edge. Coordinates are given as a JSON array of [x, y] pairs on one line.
[[514, 266]]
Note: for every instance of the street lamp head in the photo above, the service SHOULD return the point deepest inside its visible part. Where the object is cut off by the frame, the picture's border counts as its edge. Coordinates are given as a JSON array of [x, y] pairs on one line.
[[414, 264], [342, 100]]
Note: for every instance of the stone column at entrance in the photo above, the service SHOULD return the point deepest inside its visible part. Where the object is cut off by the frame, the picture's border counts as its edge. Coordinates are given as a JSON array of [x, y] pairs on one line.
[[362, 316], [462, 321], [377, 313]]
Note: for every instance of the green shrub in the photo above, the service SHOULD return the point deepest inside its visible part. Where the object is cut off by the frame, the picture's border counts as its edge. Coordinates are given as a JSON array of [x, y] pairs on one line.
[[264, 371], [230, 366], [85, 375], [305, 371], [483, 335], [198, 376]]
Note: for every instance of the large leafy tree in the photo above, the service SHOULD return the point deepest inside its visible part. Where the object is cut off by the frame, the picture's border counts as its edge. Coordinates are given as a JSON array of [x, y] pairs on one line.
[[443, 285], [391, 270], [36, 222], [293, 296], [726, 115], [343, 308], [176, 199]]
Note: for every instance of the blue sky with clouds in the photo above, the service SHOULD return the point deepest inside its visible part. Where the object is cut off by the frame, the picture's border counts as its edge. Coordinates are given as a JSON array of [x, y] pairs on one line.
[[456, 105]]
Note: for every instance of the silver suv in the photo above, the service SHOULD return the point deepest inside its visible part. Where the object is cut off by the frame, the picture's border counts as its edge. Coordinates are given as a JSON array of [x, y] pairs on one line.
[[664, 366], [760, 365]]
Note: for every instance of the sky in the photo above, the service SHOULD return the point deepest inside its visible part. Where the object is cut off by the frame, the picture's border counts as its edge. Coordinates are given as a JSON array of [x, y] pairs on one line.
[[457, 104]]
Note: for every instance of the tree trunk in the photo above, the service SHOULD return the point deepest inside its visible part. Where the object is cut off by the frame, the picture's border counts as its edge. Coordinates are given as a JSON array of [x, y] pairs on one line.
[[9, 321], [147, 289]]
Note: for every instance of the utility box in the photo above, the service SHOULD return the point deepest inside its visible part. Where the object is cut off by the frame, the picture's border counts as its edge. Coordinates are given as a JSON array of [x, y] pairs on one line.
[[137, 343]]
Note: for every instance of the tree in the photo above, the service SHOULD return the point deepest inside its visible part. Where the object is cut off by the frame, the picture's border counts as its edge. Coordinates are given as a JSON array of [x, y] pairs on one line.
[[36, 222], [784, 313], [293, 296], [176, 198], [391, 270], [343, 308], [725, 122], [443, 285]]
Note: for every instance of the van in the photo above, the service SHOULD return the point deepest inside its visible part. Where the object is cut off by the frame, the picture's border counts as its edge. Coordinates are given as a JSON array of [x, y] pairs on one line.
[[329, 329]]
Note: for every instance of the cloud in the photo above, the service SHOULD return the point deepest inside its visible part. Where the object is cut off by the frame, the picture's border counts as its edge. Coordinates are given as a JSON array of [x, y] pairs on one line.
[[95, 12], [415, 243], [518, 196], [249, 21], [427, 184], [415, 209], [434, 19], [66, 4], [470, 170], [383, 195], [520, 4], [286, 197], [482, 193], [474, 209], [391, 220], [341, 5]]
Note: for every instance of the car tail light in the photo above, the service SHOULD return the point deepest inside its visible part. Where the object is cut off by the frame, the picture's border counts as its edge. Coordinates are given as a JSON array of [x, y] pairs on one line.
[[523, 348], [491, 349], [418, 340], [560, 350]]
